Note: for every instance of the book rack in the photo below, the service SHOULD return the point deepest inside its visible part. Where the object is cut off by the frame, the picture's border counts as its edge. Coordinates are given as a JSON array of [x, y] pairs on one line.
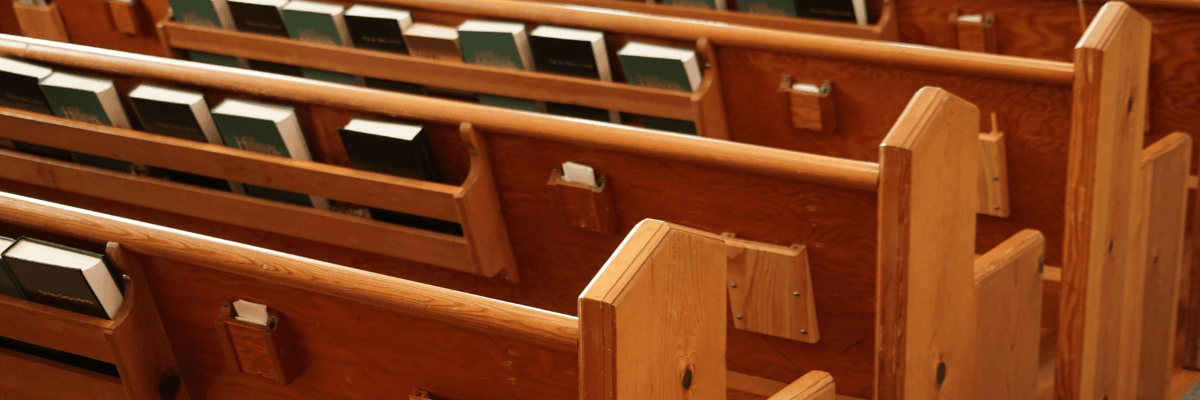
[[482, 250], [133, 341], [702, 106]]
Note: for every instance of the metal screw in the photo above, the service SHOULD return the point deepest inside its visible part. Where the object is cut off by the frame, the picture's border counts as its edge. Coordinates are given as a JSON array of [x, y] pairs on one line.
[[996, 178], [795, 294], [996, 207], [941, 373], [804, 331], [739, 316], [733, 285]]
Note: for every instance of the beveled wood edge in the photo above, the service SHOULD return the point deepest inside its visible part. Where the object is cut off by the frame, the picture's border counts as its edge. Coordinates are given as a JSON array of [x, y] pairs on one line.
[[451, 75], [1164, 145], [539, 327], [725, 34], [686, 148], [429, 199], [815, 385], [708, 102], [483, 224], [439, 249], [1003, 254]]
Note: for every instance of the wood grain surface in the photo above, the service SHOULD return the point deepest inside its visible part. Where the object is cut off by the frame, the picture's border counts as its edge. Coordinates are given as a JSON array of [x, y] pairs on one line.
[[1008, 297]]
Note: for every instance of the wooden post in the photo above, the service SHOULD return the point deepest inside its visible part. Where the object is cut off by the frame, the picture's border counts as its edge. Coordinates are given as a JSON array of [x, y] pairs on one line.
[[925, 337], [652, 322], [1111, 72], [1152, 302], [1008, 299]]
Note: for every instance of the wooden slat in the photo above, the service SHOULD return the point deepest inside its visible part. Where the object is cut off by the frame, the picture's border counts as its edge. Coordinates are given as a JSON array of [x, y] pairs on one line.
[[816, 385], [303, 222], [474, 312], [1152, 281], [37, 378], [993, 174], [770, 290], [1008, 298], [483, 224], [652, 322], [56, 329], [1108, 120], [927, 203], [429, 199], [450, 75]]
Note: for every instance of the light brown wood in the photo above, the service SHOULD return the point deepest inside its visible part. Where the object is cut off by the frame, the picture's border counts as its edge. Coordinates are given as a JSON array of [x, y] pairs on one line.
[[1106, 140], [993, 174], [1008, 297], [708, 102], [124, 16], [925, 314], [975, 36], [812, 111], [140, 346], [54, 328], [36, 378], [456, 308], [816, 385], [583, 206], [770, 290], [42, 22], [1152, 281], [651, 322], [478, 203]]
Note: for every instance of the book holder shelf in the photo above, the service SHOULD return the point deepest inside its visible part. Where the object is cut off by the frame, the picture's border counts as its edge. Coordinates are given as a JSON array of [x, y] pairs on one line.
[[133, 341], [483, 249], [703, 106]]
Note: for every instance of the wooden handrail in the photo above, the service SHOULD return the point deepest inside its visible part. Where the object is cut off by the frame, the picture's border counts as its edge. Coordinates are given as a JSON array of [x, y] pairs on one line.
[[539, 327], [754, 159]]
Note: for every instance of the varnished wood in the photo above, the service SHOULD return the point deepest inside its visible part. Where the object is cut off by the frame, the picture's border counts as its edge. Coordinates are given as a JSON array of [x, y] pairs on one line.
[[770, 290], [993, 174], [816, 385], [1152, 302], [1107, 126], [1008, 297], [483, 225], [583, 206], [925, 314], [708, 102], [124, 16], [651, 322], [42, 22], [473, 312], [35, 378]]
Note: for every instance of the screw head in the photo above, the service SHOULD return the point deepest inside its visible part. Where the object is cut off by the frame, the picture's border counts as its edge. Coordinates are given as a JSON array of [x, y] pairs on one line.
[[733, 285], [804, 331], [996, 178], [996, 207], [739, 316], [795, 294]]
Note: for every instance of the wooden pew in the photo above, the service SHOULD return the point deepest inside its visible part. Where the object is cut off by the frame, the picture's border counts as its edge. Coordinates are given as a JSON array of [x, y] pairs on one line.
[[328, 304]]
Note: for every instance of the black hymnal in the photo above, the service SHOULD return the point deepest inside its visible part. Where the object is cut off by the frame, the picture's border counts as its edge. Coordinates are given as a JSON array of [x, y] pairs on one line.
[[19, 89], [378, 28], [395, 149], [839, 10], [259, 16], [569, 51], [275, 68], [181, 114], [8, 283], [63, 277], [571, 110]]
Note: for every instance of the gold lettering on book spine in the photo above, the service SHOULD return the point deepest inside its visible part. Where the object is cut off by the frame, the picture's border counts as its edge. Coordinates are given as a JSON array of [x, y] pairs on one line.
[[490, 58], [248, 143], [658, 83], [75, 114], [311, 35], [65, 297]]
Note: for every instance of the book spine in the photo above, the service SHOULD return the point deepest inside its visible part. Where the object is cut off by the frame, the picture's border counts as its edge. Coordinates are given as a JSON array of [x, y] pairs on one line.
[[8, 282]]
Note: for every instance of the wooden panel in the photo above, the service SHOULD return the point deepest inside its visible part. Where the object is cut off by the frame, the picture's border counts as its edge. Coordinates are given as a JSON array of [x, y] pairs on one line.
[[816, 385], [651, 322], [770, 290], [479, 205], [124, 16], [42, 22], [925, 337], [1106, 142], [1152, 301], [1008, 298], [29, 377], [54, 328]]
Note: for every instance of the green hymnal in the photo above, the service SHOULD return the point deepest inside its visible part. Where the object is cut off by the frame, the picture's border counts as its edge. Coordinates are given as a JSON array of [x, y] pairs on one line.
[[713, 4], [92, 100], [779, 8], [502, 45], [268, 129], [210, 13], [315, 22], [661, 67]]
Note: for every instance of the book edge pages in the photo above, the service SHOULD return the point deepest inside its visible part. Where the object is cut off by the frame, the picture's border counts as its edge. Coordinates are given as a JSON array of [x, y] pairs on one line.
[[600, 53], [223, 14], [104, 288], [691, 66], [860, 11], [111, 103], [293, 138]]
